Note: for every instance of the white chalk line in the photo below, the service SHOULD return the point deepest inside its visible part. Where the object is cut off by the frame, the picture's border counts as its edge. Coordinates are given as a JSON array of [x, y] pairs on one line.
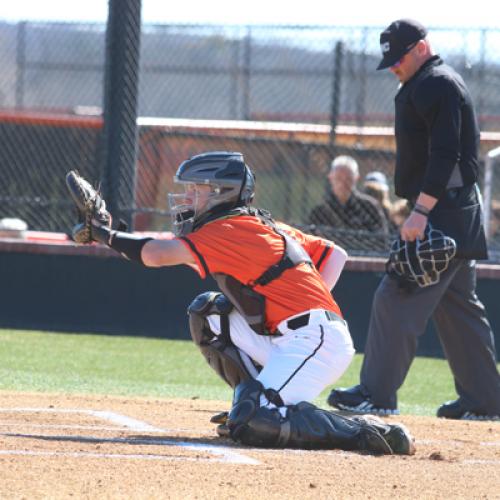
[[131, 423], [81, 454], [41, 410], [115, 418], [177, 430], [128, 423], [170, 458], [222, 452], [225, 454], [67, 426]]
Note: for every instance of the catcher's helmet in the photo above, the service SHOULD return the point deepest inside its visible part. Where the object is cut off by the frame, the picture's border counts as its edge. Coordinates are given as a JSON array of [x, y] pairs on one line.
[[213, 182], [422, 261]]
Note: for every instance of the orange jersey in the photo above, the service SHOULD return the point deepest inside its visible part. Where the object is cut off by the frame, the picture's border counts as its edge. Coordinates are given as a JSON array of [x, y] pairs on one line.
[[244, 247]]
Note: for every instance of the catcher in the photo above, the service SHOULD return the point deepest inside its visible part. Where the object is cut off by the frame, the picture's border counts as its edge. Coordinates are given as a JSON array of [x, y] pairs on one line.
[[275, 334]]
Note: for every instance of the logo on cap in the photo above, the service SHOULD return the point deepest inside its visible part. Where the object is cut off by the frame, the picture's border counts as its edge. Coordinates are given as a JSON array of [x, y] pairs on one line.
[[398, 38]]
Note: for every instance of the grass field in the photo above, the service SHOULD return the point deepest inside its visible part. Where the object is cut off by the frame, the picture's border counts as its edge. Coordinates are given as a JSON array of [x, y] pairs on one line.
[[99, 364]]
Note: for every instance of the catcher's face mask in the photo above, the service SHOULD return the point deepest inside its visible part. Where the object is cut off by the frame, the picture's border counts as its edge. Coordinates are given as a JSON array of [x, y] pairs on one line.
[[211, 183], [195, 200], [422, 261]]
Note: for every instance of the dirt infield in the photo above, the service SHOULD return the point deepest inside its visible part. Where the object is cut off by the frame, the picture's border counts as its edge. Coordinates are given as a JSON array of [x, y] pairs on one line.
[[63, 446]]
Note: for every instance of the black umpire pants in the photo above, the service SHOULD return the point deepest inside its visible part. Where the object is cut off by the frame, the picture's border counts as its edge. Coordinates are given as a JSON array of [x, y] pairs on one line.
[[400, 316]]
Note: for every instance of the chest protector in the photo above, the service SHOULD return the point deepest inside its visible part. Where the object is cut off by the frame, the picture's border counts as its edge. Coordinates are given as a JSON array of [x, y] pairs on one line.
[[249, 303]]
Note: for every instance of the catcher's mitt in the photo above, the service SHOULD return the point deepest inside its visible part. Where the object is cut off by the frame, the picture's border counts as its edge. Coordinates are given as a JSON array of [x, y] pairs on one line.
[[91, 208]]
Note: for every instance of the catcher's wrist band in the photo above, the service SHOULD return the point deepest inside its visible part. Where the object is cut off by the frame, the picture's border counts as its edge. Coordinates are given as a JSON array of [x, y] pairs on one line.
[[420, 209], [129, 245]]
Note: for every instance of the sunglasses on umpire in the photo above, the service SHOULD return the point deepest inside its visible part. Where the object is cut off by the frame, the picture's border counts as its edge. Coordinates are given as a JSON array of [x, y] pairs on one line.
[[398, 63]]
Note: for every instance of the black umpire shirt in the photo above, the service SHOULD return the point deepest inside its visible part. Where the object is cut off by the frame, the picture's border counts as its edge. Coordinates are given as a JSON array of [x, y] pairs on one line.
[[437, 136]]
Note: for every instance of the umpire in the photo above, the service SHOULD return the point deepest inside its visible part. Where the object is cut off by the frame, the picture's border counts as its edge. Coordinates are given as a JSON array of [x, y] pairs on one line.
[[437, 140]]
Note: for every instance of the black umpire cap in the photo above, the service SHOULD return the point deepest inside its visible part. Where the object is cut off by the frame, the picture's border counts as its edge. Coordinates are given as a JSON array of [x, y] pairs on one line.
[[398, 39]]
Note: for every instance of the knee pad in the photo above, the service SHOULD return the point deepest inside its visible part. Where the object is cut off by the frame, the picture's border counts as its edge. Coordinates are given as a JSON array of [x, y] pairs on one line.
[[204, 305], [220, 353]]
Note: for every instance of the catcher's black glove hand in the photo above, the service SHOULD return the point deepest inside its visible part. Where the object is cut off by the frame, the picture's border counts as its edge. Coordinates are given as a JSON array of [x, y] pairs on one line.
[[94, 221]]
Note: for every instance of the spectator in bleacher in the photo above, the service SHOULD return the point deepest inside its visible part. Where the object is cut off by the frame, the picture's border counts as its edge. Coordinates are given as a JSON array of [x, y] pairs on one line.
[[375, 185], [494, 229], [345, 207], [399, 212]]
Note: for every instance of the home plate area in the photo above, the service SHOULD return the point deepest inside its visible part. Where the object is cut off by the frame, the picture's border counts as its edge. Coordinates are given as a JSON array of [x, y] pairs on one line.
[[99, 434], [92, 446]]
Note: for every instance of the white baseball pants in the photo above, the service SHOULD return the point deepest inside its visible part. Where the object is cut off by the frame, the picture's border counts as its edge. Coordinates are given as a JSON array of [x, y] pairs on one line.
[[300, 363]]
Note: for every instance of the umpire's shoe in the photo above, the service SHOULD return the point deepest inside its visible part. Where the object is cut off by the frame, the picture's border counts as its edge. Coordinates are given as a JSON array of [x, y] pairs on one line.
[[455, 410], [356, 400]]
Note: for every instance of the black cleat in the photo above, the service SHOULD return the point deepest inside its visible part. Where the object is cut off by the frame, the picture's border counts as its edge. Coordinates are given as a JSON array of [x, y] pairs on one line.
[[223, 431], [455, 411], [400, 440], [396, 435], [219, 418], [372, 441], [355, 400]]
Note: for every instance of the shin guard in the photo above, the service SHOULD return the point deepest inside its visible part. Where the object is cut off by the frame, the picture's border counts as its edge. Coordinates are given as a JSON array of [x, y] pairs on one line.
[[305, 426]]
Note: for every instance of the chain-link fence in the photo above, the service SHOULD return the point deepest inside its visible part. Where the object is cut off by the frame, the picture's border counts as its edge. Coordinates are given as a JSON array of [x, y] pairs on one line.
[[234, 72], [52, 93], [291, 178]]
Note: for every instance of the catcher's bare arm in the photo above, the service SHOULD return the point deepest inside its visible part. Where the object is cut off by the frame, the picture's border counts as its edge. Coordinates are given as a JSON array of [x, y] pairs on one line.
[[94, 224], [157, 253], [333, 267]]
